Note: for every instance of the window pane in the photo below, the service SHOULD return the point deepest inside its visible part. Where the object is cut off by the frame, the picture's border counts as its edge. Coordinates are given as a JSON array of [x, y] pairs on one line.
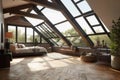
[[76, 0], [21, 34], [39, 7], [66, 29], [29, 34], [106, 39], [71, 7], [13, 30], [36, 36], [42, 31], [84, 6], [53, 15], [33, 12], [98, 29], [50, 1], [92, 20], [77, 41], [34, 21], [44, 41], [81, 21], [59, 41]]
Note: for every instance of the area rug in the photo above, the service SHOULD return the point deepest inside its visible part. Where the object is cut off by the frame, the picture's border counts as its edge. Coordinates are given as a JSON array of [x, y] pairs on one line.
[[55, 55]]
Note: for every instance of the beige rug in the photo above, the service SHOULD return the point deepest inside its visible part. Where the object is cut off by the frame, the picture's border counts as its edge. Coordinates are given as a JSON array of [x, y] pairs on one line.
[[56, 56]]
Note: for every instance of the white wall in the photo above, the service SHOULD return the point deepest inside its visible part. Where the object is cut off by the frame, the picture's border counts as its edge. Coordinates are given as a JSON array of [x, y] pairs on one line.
[[107, 10]]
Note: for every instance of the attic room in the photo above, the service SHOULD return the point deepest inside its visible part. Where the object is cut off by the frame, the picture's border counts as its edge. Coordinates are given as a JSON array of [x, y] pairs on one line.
[[57, 39]]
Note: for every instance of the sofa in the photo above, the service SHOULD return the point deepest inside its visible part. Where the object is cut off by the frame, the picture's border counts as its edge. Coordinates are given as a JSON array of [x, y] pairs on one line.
[[20, 50]]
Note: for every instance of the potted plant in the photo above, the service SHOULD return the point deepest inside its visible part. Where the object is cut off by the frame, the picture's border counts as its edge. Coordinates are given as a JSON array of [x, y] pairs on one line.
[[115, 45]]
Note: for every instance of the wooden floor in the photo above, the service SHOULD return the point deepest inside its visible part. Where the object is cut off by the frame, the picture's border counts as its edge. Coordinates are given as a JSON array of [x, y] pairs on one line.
[[46, 68]]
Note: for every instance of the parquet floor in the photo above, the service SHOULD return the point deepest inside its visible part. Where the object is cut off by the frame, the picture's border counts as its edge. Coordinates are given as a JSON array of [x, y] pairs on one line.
[[45, 68]]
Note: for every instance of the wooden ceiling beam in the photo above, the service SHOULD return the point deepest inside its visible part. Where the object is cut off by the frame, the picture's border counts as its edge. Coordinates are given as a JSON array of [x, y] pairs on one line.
[[7, 10], [44, 3], [27, 14]]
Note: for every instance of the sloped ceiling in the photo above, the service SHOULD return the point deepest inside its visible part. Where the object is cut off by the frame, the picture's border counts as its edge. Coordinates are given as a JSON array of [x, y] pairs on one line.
[[107, 10], [12, 3], [17, 20]]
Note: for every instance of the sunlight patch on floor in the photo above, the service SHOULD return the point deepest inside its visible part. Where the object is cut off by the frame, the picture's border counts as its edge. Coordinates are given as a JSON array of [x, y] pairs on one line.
[[37, 66], [17, 60]]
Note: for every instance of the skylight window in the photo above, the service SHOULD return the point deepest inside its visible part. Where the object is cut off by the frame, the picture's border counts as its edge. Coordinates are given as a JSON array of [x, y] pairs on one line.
[[71, 7], [76, 0], [83, 24], [50, 1], [92, 20], [98, 29], [66, 26], [39, 7], [34, 21], [29, 35], [84, 6], [53, 15], [33, 12]]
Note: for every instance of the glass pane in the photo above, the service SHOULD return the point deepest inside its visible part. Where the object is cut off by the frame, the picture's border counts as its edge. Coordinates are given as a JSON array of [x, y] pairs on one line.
[[55, 44], [51, 30], [84, 6], [98, 29], [13, 30], [50, 1], [36, 36], [81, 21], [44, 41], [76, 0], [42, 32], [59, 41], [39, 7], [66, 29], [77, 41], [21, 34], [53, 15], [100, 38], [71, 7], [34, 21], [47, 30], [33, 12], [92, 20], [29, 34]]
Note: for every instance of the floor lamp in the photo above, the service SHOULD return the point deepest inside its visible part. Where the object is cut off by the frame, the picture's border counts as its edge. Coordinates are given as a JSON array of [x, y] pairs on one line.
[[8, 36]]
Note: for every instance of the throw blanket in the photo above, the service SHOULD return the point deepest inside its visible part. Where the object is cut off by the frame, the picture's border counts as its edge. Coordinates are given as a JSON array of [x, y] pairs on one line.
[[30, 49]]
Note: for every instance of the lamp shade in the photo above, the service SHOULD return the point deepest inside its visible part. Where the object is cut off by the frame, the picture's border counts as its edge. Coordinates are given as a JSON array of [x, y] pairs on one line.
[[8, 35]]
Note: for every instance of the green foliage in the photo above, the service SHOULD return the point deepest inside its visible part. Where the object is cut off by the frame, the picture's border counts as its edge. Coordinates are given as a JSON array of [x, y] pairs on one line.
[[70, 32], [115, 38], [36, 42], [21, 36]]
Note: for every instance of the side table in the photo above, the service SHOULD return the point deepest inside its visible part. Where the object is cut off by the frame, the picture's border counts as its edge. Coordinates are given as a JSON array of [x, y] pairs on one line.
[[5, 59]]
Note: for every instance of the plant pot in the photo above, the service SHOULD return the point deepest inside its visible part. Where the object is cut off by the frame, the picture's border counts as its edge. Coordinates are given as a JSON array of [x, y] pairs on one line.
[[115, 62]]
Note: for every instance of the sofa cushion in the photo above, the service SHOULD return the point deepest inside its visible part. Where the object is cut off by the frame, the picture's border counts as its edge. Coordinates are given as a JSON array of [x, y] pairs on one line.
[[21, 46]]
